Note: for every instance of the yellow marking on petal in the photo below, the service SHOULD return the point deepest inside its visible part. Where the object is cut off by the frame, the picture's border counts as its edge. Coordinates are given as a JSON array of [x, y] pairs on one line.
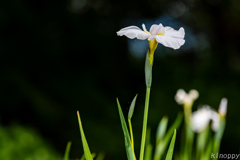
[[152, 45], [160, 34], [147, 33]]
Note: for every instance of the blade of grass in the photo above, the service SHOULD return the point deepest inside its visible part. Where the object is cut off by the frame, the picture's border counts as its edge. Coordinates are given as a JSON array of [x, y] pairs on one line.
[[83, 156], [128, 146], [66, 155], [207, 154], [162, 127], [173, 127], [130, 113], [148, 154], [171, 147], [100, 156], [86, 149], [162, 144], [218, 136], [202, 139]]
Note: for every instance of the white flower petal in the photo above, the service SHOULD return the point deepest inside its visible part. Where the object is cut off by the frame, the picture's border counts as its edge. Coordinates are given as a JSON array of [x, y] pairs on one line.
[[168, 41], [173, 33], [133, 32], [200, 119], [155, 29], [215, 120]]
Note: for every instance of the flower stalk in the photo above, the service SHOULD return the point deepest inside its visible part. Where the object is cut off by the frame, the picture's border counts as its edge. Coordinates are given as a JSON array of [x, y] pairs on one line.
[[148, 79], [144, 130]]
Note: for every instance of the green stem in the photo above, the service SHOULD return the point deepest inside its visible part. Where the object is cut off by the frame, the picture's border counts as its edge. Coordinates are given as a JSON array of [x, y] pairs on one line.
[[188, 131], [131, 133], [145, 123], [218, 136]]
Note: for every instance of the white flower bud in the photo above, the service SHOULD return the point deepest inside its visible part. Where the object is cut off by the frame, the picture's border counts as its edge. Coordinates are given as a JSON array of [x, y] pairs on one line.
[[223, 107], [193, 94], [183, 98], [180, 95]]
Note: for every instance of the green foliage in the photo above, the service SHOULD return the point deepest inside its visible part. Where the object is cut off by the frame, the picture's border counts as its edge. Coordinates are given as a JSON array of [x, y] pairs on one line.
[[171, 147], [163, 138], [128, 146], [148, 152], [86, 149], [100, 156], [130, 112], [17, 142], [66, 155]]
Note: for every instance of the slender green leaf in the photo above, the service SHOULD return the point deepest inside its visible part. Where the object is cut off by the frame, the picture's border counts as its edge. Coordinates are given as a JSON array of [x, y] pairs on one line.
[[129, 149], [189, 138], [148, 153], [218, 136], [100, 156], [174, 126], [207, 154], [202, 139], [130, 112], [163, 142], [171, 147], [86, 149], [83, 157], [66, 155], [162, 127]]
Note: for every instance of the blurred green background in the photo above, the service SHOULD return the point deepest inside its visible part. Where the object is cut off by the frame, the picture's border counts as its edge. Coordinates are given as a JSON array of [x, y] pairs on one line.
[[58, 57]]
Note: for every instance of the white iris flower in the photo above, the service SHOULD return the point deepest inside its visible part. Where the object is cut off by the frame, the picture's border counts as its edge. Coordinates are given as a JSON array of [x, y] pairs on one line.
[[167, 36], [202, 117]]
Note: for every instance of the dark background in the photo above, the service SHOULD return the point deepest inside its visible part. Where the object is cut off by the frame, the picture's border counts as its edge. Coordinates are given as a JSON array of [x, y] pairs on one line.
[[58, 57]]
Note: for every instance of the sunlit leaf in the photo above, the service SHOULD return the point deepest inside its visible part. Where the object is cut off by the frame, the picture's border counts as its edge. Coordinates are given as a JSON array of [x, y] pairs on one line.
[[171, 147], [86, 149]]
